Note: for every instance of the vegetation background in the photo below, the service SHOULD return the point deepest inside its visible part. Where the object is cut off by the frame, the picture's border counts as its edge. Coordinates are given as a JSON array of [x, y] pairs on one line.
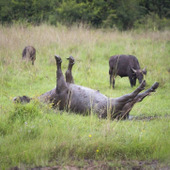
[[121, 14], [34, 135]]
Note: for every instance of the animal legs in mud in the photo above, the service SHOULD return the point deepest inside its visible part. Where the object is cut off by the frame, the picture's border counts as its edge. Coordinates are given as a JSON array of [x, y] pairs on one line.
[[68, 74], [121, 104], [141, 96], [61, 87], [128, 106], [129, 97]]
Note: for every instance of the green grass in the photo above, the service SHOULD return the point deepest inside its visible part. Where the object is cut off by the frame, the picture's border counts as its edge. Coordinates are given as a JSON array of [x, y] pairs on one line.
[[35, 135]]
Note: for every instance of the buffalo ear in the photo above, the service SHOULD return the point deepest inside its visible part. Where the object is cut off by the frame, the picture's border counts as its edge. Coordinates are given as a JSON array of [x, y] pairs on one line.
[[144, 71], [134, 71]]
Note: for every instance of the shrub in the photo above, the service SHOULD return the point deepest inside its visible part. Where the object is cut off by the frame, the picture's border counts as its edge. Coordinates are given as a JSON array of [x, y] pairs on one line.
[[152, 22], [26, 112]]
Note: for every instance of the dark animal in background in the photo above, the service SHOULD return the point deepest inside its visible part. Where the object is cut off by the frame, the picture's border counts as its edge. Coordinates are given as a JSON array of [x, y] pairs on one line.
[[79, 99], [29, 53], [125, 66]]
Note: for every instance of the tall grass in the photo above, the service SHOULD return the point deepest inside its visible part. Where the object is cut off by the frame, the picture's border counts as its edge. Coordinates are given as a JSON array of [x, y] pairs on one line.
[[33, 134]]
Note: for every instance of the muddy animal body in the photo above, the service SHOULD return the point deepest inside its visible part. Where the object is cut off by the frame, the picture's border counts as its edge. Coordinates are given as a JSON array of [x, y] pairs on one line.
[[79, 99], [125, 66], [83, 100], [29, 53]]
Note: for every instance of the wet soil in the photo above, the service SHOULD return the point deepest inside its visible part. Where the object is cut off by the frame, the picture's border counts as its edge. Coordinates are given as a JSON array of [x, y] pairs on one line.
[[148, 118], [102, 165]]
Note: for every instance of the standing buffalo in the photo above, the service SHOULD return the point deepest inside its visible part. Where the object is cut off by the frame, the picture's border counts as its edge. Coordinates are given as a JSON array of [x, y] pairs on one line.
[[29, 53], [125, 66], [79, 99]]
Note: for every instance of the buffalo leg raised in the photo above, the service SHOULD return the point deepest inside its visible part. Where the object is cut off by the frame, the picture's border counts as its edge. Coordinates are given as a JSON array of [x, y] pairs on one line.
[[61, 87], [129, 105]]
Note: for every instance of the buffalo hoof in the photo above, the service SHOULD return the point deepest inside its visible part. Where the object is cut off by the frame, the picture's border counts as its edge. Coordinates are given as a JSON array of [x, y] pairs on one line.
[[154, 86], [71, 59], [58, 59]]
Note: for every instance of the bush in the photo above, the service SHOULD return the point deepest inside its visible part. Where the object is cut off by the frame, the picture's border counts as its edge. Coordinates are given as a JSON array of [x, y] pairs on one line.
[[152, 22], [26, 112]]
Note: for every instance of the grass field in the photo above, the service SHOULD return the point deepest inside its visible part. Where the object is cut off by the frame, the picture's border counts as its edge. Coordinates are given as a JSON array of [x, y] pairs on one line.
[[35, 135]]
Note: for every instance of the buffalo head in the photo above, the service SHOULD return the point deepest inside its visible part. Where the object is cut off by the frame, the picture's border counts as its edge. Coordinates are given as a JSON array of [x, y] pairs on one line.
[[139, 73]]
